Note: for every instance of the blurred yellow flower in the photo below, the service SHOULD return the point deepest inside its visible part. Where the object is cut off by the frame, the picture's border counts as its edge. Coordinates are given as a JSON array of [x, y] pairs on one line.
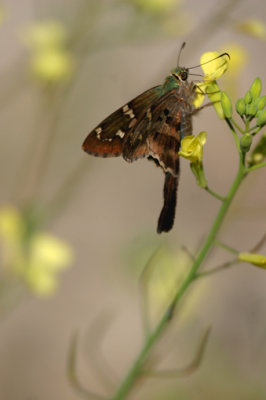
[[34, 257], [50, 60], [238, 59], [52, 65], [252, 27], [192, 147], [258, 260], [48, 255], [166, 275], [46, 34], [155, 7]]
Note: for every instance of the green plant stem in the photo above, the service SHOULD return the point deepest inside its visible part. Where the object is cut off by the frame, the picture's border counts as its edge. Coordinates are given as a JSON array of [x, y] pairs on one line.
[[226, 247], [257, 166], [136, 369], [214, 194], [217, 269], [237, 126]]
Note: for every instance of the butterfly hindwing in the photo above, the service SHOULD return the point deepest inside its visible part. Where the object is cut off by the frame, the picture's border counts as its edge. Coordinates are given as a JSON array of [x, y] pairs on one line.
[[165, 133], [171, 118], [107, 139], [167, 215]]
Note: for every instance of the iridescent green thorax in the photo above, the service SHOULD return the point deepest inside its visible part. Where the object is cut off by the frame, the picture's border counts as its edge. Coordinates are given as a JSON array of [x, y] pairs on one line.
[[177, 77]]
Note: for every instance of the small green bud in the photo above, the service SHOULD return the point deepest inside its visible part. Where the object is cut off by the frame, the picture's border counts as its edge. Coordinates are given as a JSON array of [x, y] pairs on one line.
[[240, 107], [226, 105], [251, 110], [261, 119], [248, 97], [255, 88], [245, 142], [260, 103]]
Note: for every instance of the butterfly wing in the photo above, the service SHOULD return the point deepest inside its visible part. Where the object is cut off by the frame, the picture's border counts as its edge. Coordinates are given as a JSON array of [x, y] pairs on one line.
[[171, 120], [106, 140], [167, 215]]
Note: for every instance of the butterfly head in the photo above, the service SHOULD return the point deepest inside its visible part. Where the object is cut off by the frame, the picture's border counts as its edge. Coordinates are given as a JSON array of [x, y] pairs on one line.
[[180, 74], [177, 78]]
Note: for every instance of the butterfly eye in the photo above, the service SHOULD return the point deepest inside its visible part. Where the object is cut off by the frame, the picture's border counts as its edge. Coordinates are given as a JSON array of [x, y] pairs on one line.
[[184, 75]]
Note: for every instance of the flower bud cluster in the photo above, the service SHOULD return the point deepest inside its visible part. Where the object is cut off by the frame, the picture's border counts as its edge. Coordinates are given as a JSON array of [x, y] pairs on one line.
[[252, 105]]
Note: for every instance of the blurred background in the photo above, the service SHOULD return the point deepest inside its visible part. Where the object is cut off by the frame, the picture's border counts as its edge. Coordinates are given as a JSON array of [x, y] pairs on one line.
[[76, 231]]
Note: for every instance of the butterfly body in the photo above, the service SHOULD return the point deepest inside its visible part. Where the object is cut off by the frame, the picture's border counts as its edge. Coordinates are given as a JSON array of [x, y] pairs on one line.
[[152, 126]]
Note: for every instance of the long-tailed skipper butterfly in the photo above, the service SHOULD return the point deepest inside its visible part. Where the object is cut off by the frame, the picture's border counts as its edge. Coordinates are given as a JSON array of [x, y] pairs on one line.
[[152, 126]]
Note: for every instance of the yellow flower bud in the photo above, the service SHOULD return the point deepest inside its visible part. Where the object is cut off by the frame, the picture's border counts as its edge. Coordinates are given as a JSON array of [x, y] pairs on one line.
[[260, 103], [240, 107], [258, 260], [226, 105], [248, 98], [251, 110], [261, 118], [255, 88], [245, 142], [192, 147]]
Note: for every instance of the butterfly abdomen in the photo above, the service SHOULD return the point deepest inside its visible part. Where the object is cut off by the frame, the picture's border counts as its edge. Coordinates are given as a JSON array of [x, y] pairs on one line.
[[167, 216]]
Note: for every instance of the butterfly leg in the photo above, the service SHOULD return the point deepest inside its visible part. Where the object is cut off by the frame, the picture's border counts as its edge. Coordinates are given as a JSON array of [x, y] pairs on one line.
[[196, 110], [167, 216]]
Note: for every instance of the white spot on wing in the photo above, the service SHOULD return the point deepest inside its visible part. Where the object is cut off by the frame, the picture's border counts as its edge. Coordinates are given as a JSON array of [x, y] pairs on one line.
[[98, 133], [120, 133], [128, 111]]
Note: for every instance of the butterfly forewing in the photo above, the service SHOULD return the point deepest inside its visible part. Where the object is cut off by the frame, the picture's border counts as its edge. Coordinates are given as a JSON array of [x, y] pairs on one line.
[[107, 139]]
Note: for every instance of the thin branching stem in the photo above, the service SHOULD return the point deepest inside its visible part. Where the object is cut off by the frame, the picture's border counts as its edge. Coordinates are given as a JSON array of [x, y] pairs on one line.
[[136, 370]]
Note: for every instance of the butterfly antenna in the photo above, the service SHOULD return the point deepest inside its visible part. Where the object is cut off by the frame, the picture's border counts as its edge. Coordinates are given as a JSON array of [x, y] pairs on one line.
[[179, 53], [196, 75], [207, 62]]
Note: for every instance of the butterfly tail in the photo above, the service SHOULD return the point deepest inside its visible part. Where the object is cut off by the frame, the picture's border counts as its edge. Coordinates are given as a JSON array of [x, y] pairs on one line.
[[167, 216]]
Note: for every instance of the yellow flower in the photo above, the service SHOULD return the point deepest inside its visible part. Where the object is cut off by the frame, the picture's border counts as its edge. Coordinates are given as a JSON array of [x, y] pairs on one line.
[[155, 7], [192, 147], [212, 66], [258, 260], [46, 34], [52, 65], [213, 69], [252, 27], [34, 257]]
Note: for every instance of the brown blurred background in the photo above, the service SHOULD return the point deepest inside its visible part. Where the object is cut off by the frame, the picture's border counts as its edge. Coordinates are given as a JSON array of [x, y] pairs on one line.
[[109, 208]]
